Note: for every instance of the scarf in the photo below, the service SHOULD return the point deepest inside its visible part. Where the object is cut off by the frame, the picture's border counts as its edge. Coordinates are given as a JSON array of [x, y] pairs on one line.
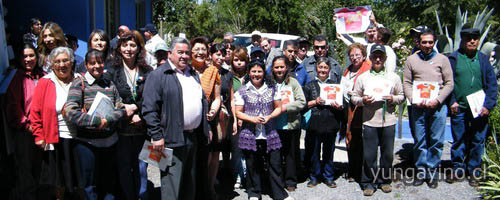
[[209, 79]]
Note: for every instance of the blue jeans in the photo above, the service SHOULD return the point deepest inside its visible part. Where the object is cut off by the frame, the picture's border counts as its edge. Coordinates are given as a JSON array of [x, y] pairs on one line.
[[469, 135], [429, 128], [321, 169]]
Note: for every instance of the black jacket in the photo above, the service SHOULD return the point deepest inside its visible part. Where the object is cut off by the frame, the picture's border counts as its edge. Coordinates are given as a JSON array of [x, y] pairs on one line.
[[324, 119], [162, 107]]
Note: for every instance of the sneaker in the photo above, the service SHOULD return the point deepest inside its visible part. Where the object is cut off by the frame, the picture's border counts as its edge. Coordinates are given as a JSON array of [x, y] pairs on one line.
[[368, 192], [312, 183], [331, 184], [473, 182], [253, 198], [237, 185], [418, 182], [432, 183], [289, 198], [386, 188]]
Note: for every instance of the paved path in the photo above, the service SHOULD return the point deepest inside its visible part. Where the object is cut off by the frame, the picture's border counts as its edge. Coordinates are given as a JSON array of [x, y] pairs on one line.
[[345, 190]]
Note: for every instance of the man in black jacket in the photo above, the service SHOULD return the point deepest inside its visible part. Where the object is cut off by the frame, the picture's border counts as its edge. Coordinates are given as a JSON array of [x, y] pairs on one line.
[[174, 109]]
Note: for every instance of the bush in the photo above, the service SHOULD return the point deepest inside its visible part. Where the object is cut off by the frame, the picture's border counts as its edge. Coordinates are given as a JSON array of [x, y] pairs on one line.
[[490, 186]]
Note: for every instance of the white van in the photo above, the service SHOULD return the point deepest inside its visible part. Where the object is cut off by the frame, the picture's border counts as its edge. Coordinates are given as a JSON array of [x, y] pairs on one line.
[[277, 40]]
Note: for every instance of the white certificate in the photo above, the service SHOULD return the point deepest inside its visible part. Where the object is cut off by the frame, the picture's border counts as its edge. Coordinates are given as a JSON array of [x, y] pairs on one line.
[[286, 95], [331, 93], [476, 101], [424, 91], [378, 88]]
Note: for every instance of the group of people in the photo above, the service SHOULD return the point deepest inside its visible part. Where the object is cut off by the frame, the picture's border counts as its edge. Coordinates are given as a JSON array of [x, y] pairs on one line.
[[200, 99]]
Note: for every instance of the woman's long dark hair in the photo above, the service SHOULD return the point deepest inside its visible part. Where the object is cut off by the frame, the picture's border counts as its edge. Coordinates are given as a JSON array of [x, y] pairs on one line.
[[259, 63], [21, 54], [104, 36], [140, 59], [288, 74]]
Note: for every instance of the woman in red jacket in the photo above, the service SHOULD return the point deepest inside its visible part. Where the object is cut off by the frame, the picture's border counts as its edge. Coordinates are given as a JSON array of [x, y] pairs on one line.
[[18, 102], [51, 132]]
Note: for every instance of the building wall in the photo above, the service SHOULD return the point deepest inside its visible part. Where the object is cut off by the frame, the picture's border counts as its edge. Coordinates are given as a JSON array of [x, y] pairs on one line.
[[76, 17]]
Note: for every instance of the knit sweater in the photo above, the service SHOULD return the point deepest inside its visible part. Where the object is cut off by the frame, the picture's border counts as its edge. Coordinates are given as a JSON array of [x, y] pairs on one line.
[[256, 104], [437, 69], [82, 97], [373, 113]]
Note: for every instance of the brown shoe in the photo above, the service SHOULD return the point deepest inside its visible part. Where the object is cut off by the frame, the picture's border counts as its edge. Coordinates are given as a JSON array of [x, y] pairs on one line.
[[368, 192], [386, 188], [473, 182], [291, 189]]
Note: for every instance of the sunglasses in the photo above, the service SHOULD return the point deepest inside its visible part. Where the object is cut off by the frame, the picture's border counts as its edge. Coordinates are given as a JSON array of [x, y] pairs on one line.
[[319, 47], [427, 42]]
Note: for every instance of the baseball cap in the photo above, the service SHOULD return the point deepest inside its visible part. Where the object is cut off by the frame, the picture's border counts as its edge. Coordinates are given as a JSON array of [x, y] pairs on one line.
[[377, 47], [467, 29], [418, 29], [255, 50], [303, 40], [161, 46], [148, 27]]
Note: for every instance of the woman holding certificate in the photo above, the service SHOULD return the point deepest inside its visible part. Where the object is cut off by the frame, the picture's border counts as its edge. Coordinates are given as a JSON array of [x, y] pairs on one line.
[[352, 129], [378, 91], [257, 103], [128, 73], [96, 135], [288, 123], [324, 123]]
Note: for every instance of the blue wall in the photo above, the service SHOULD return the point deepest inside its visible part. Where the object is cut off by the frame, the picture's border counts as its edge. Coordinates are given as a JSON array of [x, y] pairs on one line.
[[73, 16]]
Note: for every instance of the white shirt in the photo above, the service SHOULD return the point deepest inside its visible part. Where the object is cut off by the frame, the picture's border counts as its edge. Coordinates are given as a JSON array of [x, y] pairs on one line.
[[191, 97], [347, 83], [239, 101], [151, 43]]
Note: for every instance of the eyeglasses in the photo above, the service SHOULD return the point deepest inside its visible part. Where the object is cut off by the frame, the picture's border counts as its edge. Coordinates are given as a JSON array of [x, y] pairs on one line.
[[63, 61], [319, 47], [355, 55], [427, 42], [200, 50], [470, 37]]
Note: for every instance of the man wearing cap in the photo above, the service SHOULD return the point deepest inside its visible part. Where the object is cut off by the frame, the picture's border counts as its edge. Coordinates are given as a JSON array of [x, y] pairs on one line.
[[303, 47], [321, 50], [429, 117], [161, 53], [472, 72], [152, 38], [379, 121], [257, 53], [256, 38]]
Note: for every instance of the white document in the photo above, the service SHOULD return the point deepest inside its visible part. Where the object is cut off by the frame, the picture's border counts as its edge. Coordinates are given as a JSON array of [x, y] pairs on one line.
[[286, 95], [156, 158], [331, 93], [476, 101], [424, 91], [102, 106], [378, 88]]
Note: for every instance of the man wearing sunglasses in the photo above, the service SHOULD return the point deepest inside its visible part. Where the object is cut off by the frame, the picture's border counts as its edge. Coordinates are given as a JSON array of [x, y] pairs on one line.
[[320, 47], [429, 116], [472, 72]]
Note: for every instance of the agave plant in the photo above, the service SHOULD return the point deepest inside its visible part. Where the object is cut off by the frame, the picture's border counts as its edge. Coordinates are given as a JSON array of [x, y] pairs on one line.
[[451, 45]]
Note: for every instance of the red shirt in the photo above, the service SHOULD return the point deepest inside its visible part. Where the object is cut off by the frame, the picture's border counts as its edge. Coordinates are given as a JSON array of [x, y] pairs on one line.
[[19, 97]]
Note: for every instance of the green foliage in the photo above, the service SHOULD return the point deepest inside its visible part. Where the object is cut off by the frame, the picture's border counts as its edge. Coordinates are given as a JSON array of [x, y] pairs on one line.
[[490, 186], [313, 17]]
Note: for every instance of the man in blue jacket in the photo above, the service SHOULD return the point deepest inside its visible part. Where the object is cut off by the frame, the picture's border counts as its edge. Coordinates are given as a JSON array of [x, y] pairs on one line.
[[472, 72]]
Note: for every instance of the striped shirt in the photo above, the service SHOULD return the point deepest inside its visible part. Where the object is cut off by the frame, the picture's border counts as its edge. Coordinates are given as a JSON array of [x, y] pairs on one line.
[[82, 97]]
